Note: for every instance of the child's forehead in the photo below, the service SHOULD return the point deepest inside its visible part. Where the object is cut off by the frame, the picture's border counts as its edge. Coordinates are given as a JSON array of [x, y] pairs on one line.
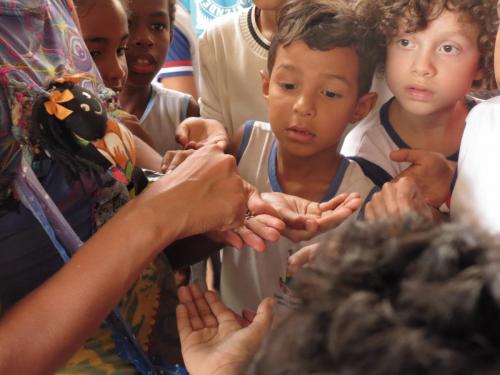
[[448, 20]]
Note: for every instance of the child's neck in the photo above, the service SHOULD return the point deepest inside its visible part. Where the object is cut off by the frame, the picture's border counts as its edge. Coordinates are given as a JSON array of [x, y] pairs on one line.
[[307, 177], [134, 99], [266, 22], [438, 132]]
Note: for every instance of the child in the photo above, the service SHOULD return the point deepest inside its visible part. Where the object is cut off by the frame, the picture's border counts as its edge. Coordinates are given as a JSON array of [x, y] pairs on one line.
[[320, 67], [160, 110], [233, 51], [436, 51]]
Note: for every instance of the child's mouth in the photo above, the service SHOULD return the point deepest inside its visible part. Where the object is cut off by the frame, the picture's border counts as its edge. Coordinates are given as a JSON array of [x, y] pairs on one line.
[[143, 66], [419, 93], [300, 134]]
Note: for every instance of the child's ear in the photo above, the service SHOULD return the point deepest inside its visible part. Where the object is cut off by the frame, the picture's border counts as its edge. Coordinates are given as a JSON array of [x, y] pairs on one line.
[[364, 106], [264, 77]]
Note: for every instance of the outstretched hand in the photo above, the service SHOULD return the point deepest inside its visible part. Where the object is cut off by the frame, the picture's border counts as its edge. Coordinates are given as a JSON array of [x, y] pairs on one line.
[[398, 198], [305, 219], [431, 171], [263, 223], [213, 338], [196, 132]]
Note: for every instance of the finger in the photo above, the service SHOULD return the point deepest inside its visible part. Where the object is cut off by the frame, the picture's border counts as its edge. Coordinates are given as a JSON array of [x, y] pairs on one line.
[[204, 311], [266, 227], [167, 159], [186, 298], [256, 204], [333, 203], [302, 258], [334, 218], [408, 155], [232, 238], [182, 134], [221, 312], [178, 158], [183, 322], [251, 239], [262, 321]]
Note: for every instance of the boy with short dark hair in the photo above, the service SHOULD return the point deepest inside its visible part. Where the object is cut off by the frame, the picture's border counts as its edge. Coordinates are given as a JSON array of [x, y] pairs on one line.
[[321, 62], [159, 110]]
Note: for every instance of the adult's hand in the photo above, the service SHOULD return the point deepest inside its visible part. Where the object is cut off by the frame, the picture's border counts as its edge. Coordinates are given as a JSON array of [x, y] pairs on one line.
[[305, 219], [196, 132], [431, 171], [204, 193], [262, 223], [398, 198], [213, 339]]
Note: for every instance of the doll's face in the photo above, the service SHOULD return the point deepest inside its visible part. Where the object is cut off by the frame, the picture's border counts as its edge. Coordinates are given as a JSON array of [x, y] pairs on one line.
[[88, 120]]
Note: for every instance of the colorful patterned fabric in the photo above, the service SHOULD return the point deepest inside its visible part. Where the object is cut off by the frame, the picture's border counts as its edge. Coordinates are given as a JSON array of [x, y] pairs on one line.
[[39, 42]]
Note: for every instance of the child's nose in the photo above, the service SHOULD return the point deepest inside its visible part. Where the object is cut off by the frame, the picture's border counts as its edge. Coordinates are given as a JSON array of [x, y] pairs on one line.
[[143, 38], [423, 64], [114, 73], [304, 105]]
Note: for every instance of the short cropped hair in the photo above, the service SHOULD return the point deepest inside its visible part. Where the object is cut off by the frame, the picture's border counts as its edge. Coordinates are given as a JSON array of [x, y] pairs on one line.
[[324, 25], [391, 298], [416, 15]]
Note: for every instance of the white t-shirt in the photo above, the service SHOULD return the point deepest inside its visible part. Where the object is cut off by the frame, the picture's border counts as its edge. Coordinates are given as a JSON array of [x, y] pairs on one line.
[[249, 276], [371, 142], [165, 110], [476, 195], [232, 54]]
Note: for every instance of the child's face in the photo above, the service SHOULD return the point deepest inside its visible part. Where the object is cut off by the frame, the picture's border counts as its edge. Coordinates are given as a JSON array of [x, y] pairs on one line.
[[312, 95], [149, 40], [430, 70], [105, 31]]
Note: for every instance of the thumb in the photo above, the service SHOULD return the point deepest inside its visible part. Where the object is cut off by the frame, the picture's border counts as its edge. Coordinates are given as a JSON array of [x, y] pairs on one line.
[[262, 320], [182, 134], [407, 155]]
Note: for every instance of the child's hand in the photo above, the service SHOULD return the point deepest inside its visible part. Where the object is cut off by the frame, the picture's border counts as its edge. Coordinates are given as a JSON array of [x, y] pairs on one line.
[[196, 132], [302, 258], [398, 198], [431, 171], [172, 159], [213, 338], [306, 219]]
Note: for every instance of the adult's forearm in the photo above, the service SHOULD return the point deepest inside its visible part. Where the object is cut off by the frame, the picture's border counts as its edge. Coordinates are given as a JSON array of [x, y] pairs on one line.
[[52, 322]]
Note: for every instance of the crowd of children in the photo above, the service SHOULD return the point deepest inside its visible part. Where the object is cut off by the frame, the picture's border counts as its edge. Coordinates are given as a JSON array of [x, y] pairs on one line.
[[280, 84]]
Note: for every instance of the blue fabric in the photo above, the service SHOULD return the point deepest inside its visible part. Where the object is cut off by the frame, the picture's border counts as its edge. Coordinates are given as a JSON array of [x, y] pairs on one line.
[[180, 49]]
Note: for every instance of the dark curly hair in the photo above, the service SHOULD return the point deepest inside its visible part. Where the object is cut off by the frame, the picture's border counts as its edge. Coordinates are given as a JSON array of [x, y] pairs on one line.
[[324, 25], [386, 17], [393, 298]]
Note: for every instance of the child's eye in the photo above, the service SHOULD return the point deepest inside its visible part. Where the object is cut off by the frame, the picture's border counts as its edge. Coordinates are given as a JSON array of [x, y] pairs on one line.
[[95, 54], [330, 94], [449, 49], [158, 26], [405, 43], [288, 86], [121, 51]]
